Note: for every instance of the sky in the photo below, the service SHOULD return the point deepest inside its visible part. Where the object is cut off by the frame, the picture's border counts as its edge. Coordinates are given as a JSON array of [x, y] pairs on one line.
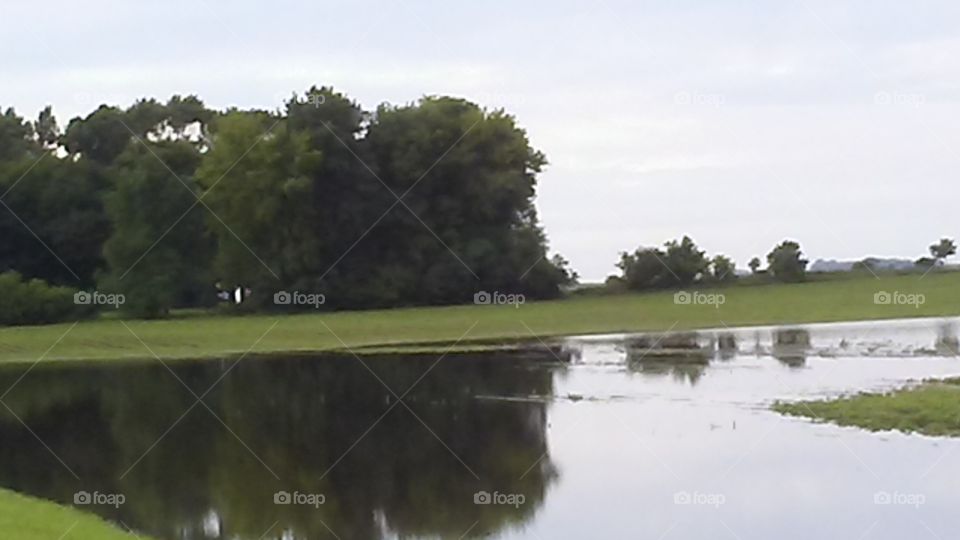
[[741, 124]]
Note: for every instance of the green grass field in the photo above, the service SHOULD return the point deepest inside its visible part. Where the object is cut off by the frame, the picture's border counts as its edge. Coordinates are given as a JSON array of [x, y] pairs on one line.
[[26, 517], [932, 408], [429, 329]]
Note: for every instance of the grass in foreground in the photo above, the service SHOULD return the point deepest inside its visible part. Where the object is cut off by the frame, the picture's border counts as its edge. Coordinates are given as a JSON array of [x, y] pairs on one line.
[[26, 517], [932, 408], [430, 329]]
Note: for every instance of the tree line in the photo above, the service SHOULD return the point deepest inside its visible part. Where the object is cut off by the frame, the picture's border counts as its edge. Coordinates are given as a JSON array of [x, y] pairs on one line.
[[167, 202], [682, 263]]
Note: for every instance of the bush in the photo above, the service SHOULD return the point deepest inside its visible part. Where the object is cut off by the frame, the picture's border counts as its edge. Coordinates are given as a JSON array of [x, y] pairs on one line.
[[37, 302]]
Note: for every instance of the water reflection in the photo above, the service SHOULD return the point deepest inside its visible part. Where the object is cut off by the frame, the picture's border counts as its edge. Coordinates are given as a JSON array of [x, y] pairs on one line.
[[684, 356], [791, 345], [308, 426]]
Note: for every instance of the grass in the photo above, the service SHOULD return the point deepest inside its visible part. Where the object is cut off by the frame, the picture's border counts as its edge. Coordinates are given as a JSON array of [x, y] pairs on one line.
[[27, 517], [431, 329], [932, 408]]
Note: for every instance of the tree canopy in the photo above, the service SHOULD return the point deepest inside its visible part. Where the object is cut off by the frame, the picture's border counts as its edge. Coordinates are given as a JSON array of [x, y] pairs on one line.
[[421, 203]]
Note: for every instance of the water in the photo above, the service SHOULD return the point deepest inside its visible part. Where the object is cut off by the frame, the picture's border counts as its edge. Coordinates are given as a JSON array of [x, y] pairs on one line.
[[658, 437]]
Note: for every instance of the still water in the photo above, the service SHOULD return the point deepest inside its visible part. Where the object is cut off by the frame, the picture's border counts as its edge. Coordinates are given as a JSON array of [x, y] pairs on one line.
[[653, 436]]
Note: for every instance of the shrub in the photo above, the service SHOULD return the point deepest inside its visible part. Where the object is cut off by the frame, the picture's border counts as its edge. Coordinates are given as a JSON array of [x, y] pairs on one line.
[[37, 302]]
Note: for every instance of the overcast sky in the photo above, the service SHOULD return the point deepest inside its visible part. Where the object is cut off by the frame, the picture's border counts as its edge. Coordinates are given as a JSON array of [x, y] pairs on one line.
[[739, 123]]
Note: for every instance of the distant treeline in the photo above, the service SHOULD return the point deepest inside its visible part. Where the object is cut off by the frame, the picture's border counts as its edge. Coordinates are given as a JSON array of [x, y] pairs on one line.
[[681, 263], [165, 203]]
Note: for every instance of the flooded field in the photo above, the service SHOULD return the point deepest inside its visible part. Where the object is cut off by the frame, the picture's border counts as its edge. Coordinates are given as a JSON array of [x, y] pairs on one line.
[[644, 436]]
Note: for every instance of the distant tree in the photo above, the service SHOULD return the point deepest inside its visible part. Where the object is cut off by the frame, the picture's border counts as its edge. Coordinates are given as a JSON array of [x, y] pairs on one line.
[[46, 128], [925, 263], [16, 136], [724, 269], [943, 249], [786, 262], [644, 269], [685, 261], [754, 265], [100, 137]]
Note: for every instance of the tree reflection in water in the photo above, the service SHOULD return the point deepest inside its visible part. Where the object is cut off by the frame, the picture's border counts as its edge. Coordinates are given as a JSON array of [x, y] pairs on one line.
[[320, 426]]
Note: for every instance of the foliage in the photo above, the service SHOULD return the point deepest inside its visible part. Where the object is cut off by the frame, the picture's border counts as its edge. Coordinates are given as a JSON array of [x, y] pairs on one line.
[[680, 264], [786, 262], [36, 302], [54, 224], [158, 252], [723, 268], [943, 249], [754, 265], [423, 203]]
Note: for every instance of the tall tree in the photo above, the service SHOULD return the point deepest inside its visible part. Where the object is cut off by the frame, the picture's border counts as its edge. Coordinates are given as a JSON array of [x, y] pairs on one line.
[[158, 253], [467, 179], [46, 128]]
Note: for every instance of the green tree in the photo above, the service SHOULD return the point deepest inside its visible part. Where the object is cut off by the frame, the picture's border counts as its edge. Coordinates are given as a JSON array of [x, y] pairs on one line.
[[943, 249], [46, 129], [754, 265], [158, 252], [644, 269], [101, 137], [724, 269], [56, 223], [16, 136], [685, 261], [786, 262], [467, 178], [260, 204]]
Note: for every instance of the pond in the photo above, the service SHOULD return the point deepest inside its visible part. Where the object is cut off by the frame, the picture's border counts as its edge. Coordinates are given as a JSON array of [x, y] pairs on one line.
[[640, 436]]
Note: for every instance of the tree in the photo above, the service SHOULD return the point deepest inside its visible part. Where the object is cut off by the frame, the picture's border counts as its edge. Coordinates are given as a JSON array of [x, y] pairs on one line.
[[644, 269], [263, 207], [158, 253], [16, 137], [754, 265], [685, 261], [61, 202], [786, 262], [943, 249], [46, 128], [101, 137], [467, 221], [724, 269]]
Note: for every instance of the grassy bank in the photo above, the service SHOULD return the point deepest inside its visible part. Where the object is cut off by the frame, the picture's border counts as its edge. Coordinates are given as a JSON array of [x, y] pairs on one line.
[[430, 328], [26, 517], [932, 408]]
